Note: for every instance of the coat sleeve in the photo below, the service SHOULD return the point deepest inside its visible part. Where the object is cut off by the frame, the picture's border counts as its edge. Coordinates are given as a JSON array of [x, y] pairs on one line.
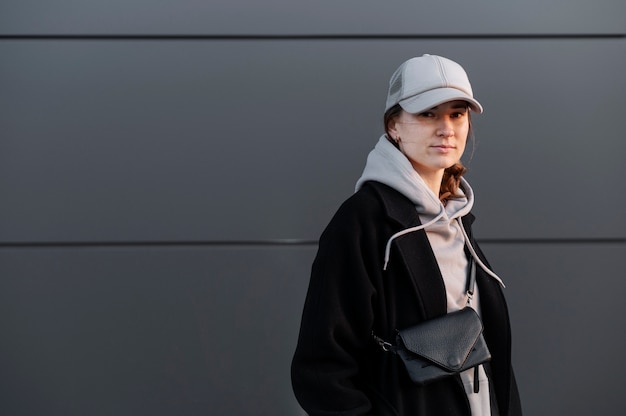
[[335, 334]]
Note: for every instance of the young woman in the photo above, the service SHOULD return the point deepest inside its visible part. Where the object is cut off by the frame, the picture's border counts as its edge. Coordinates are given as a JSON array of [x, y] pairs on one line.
[[397, 253]]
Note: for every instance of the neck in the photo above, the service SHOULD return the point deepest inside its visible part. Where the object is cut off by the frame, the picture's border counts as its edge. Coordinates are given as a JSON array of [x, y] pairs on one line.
[[432, 180]]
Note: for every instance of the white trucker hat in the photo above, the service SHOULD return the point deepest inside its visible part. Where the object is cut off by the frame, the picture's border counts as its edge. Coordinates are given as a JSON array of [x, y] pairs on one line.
[[425, 82]]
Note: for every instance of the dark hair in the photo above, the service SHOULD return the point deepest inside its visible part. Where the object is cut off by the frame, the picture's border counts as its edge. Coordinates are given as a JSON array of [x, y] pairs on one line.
[[451, 180]]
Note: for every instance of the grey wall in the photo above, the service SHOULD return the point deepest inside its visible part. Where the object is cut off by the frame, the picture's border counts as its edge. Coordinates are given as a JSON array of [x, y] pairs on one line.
[[166, 170]]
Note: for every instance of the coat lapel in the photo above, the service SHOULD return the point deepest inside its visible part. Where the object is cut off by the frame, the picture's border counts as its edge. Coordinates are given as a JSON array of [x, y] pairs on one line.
[[414, 251]]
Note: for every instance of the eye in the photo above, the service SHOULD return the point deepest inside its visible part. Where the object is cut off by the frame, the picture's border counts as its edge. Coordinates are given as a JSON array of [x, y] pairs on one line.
[[459, 114], [427, 114]]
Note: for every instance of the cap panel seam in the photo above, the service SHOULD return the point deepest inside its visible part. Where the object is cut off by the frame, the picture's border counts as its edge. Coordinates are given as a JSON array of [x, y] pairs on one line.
[[442, 72]]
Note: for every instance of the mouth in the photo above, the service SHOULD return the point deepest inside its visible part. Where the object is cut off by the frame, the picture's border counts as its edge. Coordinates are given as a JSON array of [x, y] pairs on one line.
[[444, 148]]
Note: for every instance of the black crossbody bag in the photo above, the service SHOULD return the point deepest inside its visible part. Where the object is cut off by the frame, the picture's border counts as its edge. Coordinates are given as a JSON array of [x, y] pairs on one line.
[[442, 346]]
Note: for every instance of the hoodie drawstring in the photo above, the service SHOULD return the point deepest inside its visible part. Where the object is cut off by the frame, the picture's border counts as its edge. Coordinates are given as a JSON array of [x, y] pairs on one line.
[[442, 212], [434, 220], [468, 244]]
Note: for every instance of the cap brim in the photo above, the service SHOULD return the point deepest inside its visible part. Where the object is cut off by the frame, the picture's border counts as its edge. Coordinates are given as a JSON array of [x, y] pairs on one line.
[[433, 98]]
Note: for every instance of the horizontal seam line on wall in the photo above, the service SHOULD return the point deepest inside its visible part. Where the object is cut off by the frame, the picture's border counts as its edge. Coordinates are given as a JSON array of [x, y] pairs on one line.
[[87, 244], [182, 37], [285, 242], [552, 240]]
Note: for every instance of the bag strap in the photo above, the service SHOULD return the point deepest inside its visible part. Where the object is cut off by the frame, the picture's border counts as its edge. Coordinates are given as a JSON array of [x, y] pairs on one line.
[[471, 281], [469, 290], [384, 345]]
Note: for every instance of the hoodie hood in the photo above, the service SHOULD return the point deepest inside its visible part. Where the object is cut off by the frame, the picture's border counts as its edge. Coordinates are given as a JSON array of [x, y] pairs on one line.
[[387, 165], [442, 223]]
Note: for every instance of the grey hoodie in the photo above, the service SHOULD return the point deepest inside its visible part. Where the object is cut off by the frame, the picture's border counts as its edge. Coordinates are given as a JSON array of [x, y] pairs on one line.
[[387, 165]]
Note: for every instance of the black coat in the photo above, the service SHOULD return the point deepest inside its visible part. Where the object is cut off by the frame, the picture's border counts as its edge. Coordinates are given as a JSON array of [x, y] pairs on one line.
[[337, 368]]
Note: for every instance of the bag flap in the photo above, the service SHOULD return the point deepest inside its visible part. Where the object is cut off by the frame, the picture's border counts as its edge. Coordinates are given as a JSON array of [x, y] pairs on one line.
[[446, 340]]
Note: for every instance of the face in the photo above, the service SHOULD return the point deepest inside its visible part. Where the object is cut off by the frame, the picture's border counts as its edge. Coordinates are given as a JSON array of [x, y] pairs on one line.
[[433, 140]]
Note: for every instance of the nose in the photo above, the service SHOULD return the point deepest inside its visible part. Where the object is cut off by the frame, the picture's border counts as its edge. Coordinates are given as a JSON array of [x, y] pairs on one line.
[[445, 128]]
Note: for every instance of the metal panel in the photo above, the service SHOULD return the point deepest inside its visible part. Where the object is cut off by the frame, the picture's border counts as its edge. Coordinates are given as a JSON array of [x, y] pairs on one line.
[[187, 330], [258, 140], [159, 331], [270, 17], [567, 306]]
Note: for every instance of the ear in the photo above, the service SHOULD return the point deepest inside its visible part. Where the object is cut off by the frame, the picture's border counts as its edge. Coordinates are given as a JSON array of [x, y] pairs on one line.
[[392, 127]]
